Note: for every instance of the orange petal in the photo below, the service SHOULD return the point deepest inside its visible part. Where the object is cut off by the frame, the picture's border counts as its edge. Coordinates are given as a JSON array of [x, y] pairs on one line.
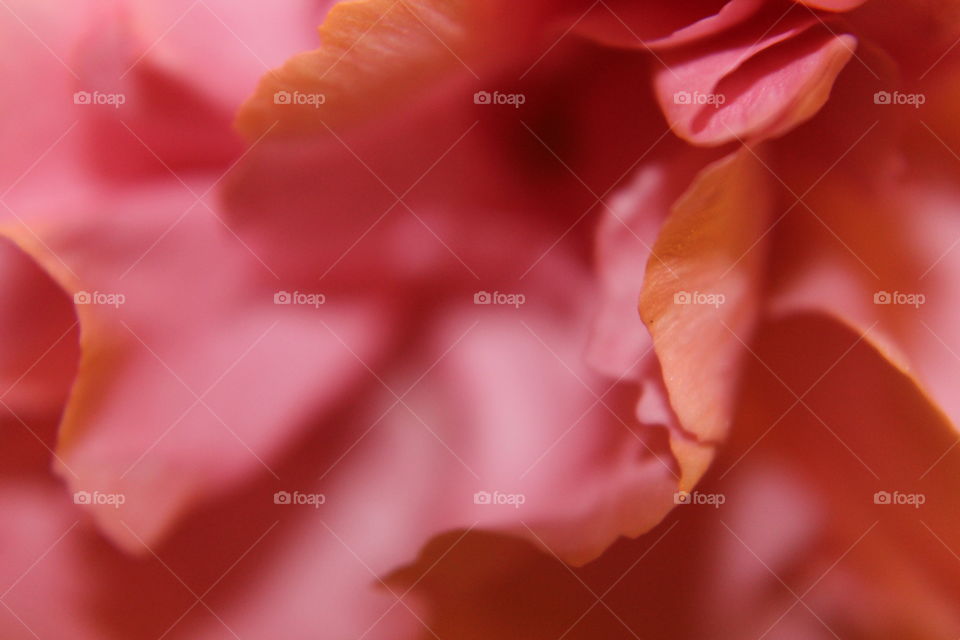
[[374, 54], [700, 298], [862, 427]]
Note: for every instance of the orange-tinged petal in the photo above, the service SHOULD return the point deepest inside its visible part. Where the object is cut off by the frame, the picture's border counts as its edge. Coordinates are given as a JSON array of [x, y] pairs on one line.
[[862, 427], [624, 238], [700, 297], [374, 54]]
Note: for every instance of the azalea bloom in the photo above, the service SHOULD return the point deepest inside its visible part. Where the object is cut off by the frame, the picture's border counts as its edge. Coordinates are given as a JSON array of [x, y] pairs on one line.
[[554, 319]]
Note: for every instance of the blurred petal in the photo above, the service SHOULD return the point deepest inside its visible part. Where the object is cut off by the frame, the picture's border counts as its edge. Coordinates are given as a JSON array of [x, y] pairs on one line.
[[833, 5], [886, 561], [41, 563], [588, 471], [507, 407], [906, 301], [646, 24], [799, 549], [374, 53], [873, 242], [177, 325], [37, 116], [38, 350], [220, 48]]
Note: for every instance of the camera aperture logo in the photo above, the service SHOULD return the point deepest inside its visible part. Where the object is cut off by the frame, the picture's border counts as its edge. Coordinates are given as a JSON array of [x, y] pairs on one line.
[[899, 298], [513, 99], [300, 298], [99, 297], [299, 99], [896, 497], [116, 500], [300, 499], [511, 299], [499, 498], [895, 97], [698, 297], [695, 497], [98, 98], [698, 98]]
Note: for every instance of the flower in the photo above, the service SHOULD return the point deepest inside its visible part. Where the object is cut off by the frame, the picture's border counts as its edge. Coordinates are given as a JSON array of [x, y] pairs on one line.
[[626, 303]]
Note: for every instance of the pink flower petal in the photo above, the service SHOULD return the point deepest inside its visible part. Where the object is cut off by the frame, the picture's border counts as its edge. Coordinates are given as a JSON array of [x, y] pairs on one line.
[[627, 231], [38, 350], [655, 25], [42, 565], [174, 343], [833, 5], [752, 88]]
